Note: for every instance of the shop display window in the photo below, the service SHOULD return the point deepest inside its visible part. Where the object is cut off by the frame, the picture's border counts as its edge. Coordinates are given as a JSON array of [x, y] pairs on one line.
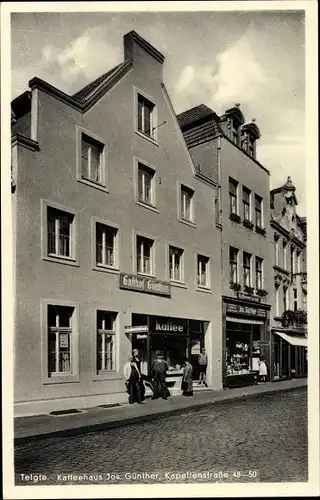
[[242, 358], [173, 348]]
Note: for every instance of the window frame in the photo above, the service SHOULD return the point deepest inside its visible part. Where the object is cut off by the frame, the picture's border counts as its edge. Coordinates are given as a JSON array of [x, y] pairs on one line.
[[191, 192], [285, 254], [105, 267], [246, 204], [259, 272], [295, 300], [246, 267], [207, 286], [106, 332], [60, 377], [236, 263], [103, 185], [258, 210], [73, 260], [235, 184], [173, 280], [153, 137], [152, 254], [137, 164], [276, 239]]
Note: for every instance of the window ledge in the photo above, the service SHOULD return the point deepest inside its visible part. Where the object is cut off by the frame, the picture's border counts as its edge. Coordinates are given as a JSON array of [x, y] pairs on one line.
[[146, 275], [61, 379], [105, 375], [203, 289], [178, 284], [147, 206], [106, 269], [147, 137], [187, 222], [100, 187], [61, 260]]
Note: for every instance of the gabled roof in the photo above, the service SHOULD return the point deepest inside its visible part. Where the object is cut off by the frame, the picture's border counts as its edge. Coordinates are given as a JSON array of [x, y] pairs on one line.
[[89, 89], [195, 114]]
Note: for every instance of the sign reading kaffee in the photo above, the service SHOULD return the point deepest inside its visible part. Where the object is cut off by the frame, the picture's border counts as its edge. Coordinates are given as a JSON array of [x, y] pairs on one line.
[[144, 284]]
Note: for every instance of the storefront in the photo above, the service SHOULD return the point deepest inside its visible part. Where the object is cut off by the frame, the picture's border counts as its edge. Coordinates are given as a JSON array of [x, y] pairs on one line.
[[246, 341], [289, 354], [175, 338]]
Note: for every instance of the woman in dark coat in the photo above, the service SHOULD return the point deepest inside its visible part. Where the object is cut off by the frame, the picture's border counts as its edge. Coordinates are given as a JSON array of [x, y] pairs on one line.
[[187, 382]]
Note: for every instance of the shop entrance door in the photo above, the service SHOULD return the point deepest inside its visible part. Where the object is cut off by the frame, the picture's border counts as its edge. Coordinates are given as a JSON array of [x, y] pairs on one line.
[[196, 343]]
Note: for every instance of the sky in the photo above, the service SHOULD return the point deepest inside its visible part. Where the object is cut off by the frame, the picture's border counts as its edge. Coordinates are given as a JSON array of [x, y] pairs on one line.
[[255, 58]]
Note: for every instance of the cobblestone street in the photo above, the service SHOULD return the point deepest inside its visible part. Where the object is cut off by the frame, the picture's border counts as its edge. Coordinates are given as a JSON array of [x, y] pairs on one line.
[[266, 435]]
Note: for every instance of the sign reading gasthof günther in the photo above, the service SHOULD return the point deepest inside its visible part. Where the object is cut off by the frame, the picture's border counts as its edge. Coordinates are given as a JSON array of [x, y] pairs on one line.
[[144, 284]]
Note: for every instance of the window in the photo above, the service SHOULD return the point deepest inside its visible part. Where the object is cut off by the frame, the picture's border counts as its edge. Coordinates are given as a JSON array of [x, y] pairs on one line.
[[276, 249], [144, 255], [246, 269], [60, 352], [295, 299], [277, 301], [145, 184], [60, 233], [285, 299], [106, 341], [233, 263], [284, 250], [259, 280], [251, 147], [233, 189], [145, 116], [235, 134], [175, 263], [246, 203], [186, 204], [91, 160], [298, 262], [105, 245], [203, 271], [258, 210], [292, 260]]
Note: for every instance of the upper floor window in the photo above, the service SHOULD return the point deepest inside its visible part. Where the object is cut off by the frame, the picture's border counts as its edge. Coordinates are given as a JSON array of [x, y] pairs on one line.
[[295, 299], [298, 262], [246, 194], [233, 196], [285, 299], [292, 260], [144, 255], [258, 210], [247, 269], [60, 233], [259, 276], [175, 263], [285, 253], [105, 245], [145, 184], [203, 271], [91, 160], [187, 204], [233, 263], [145, 116], [60, 331], [276, 249], [106, 334]]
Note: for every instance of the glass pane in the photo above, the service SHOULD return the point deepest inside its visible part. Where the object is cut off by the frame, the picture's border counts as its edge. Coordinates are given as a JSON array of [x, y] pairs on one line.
[[233, 188], [233, 204], [140, 184], [51, 352], [147, 120], [147, 187], [246, 196], [84, 159], [99, 352], [139, 115], [109, 352], [64, 361]]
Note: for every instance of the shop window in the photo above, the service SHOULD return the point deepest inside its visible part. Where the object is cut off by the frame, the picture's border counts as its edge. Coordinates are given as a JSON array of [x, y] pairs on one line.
[[203, 271], [60, 233], [60, 342], [247, 280], [91, 160], [233, 196], [146, 184], [295, 299], [258, 211], [233, 264], [106, 238], [175, 264], [144, 255], [246, 195], [186, 209], [259, 275], [145, 116], [106, 334]]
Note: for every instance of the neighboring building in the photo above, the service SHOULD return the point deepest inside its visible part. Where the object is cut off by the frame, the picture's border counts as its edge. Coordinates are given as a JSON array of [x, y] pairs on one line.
[[224, 149], [114, 228], [289, 322]]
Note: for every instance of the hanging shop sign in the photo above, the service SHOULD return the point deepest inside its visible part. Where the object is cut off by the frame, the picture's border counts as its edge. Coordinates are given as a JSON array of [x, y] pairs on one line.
[[261, 343], [246, 310], [136, 329], [168, 325], [143, 284]]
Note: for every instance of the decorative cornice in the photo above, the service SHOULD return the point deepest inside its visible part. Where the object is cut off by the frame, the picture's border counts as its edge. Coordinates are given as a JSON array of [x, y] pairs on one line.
[[259, 305], [21, 140]]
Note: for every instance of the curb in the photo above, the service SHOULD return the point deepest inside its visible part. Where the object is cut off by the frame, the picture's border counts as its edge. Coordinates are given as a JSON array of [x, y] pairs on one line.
[[91, 428]]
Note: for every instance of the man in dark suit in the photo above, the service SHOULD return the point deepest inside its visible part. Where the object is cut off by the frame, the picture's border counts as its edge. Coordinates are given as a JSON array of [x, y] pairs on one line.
[[137, 360], [159, 372]]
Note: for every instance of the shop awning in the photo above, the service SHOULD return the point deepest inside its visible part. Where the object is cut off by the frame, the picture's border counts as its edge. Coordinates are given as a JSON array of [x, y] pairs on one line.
[[301, 341], [243, 320]]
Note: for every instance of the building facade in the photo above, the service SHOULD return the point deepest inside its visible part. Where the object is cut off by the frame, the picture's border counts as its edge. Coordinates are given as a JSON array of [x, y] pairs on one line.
[[289, 318], [225, 146], [115, 241]]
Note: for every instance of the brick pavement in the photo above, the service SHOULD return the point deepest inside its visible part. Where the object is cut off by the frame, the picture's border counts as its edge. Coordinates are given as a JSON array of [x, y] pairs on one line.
[[31, 428]]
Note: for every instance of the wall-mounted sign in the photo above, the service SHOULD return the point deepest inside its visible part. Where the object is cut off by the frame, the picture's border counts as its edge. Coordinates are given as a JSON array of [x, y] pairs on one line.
[[144, 284], [64, 340], [251, 298], [246, 310], [136, 329], [168, 325], [261, 343], [142, 336]]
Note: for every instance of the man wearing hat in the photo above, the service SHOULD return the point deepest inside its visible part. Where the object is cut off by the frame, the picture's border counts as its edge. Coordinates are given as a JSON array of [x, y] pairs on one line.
[[159, 373]]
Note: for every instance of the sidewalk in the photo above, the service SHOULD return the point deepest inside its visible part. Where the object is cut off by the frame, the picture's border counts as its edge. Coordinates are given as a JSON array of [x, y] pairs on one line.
[[27, 429]]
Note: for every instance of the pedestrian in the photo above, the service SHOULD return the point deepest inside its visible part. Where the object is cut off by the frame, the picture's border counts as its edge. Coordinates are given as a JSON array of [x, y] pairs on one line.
[[137, 360], [159, 373], [203, 363], [262, 369], [187, 382], [132, 375]]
